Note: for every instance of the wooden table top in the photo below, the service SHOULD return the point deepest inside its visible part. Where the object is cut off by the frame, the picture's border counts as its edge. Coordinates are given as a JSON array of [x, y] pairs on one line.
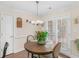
[[35, 48]]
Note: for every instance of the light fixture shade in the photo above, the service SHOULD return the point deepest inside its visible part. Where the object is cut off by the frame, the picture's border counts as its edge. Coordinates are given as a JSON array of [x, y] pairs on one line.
[[39, 22], [33, 22]]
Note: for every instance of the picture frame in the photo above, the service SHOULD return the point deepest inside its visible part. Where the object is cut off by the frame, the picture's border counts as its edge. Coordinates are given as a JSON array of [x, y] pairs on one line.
[[19, 22]]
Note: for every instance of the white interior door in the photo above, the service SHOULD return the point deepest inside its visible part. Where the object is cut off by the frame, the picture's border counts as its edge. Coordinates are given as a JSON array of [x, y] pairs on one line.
[[3, 36], [7, 32]]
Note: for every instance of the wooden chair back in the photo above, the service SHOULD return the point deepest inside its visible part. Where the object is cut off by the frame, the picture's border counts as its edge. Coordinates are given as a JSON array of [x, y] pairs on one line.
[[30, 36], [5, 49], [56, 50]]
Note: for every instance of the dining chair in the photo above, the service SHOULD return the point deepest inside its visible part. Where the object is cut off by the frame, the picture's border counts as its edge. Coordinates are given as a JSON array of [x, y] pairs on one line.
[[28, 40], [5, 49], [56, 50]]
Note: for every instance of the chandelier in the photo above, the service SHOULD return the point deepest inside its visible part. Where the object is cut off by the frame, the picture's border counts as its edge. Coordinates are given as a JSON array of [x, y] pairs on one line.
[[37, 22]]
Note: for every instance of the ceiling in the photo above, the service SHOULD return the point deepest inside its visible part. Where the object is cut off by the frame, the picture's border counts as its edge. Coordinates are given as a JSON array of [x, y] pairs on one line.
[[43, 7]]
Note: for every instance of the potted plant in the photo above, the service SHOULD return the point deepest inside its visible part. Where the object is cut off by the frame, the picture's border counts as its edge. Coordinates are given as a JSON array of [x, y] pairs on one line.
[[41, 37], [77, 43]]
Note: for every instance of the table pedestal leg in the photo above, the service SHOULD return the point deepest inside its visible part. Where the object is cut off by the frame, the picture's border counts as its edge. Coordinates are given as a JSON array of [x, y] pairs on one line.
[[32, 55], [28, 54], [39, 56]]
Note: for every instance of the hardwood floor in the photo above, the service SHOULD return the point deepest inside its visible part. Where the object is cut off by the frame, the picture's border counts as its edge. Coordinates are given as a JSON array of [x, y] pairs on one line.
[[23, 54]]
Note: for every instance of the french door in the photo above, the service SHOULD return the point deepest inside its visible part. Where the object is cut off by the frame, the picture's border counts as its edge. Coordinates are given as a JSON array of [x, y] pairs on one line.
[[59, 29]]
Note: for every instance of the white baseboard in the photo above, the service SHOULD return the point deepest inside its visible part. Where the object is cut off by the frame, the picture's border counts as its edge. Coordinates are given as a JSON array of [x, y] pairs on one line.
[[18, 50]]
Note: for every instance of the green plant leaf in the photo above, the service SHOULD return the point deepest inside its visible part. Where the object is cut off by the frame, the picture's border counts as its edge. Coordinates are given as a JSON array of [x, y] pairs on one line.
[[41, 36]]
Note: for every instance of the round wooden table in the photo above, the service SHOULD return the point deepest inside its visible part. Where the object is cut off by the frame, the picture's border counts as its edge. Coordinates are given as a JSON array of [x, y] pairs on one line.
[[34, 48]]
